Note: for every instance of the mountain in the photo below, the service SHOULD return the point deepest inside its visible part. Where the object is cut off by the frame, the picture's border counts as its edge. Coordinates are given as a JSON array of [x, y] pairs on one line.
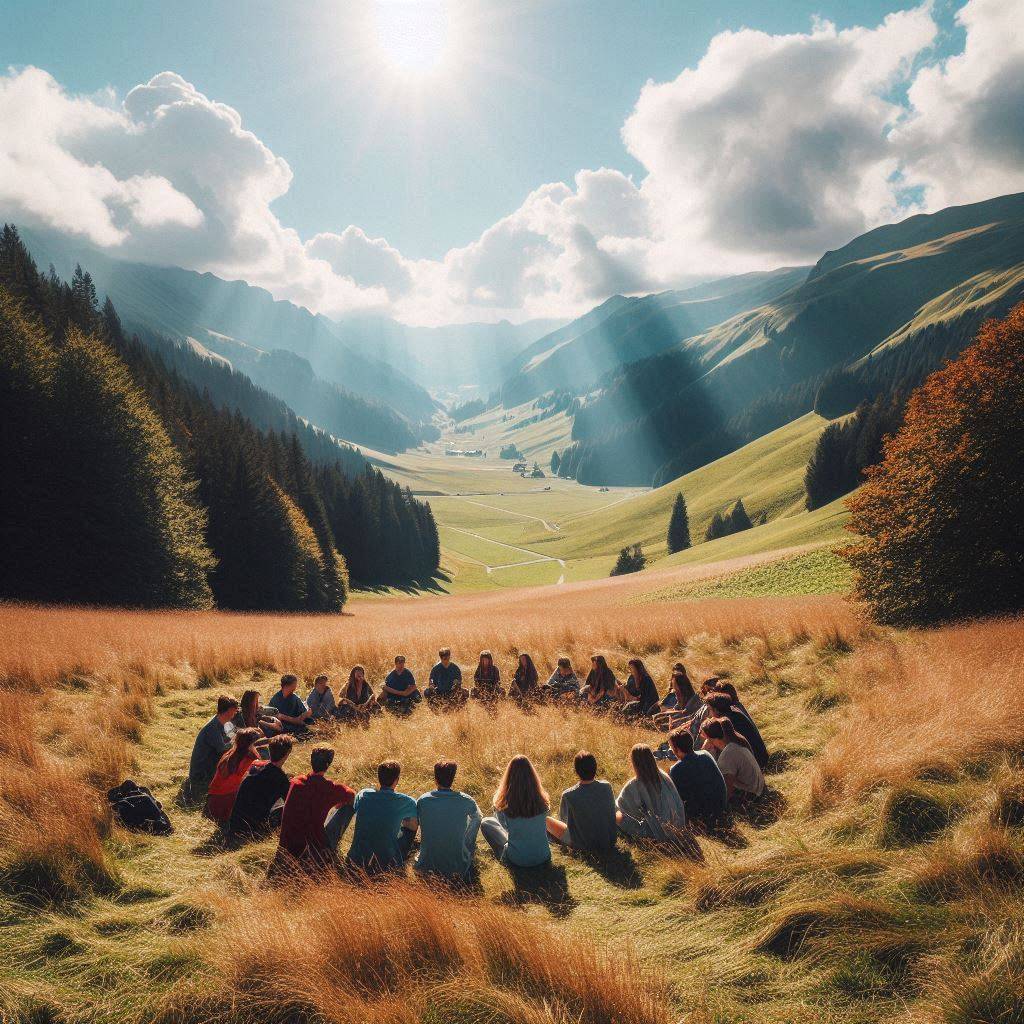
[[874, 315], [622, 330], [182, 303], [456, 362]]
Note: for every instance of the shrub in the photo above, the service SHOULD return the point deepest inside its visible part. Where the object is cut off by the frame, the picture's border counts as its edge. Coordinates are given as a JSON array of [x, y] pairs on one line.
[[913, 814]]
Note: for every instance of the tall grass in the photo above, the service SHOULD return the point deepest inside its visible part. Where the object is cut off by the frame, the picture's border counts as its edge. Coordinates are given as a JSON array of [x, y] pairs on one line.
[[402, 953]]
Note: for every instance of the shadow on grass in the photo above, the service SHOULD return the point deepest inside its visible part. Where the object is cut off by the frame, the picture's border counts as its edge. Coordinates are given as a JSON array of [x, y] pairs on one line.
[[616, 866], [764, 811], [547, 886]]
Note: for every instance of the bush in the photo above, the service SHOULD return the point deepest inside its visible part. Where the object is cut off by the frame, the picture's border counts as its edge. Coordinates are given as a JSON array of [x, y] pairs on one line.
[[913, 814]]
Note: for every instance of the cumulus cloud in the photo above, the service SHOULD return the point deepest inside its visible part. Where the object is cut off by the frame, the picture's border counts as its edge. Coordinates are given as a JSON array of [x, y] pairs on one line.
[[769, 150]]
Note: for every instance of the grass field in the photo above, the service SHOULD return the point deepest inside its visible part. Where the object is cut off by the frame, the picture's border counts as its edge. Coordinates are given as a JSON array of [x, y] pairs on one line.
[[881, 882], [481, 506]]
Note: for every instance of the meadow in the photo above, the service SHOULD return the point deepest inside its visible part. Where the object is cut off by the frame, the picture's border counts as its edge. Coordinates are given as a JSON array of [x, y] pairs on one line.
[[881, 880]]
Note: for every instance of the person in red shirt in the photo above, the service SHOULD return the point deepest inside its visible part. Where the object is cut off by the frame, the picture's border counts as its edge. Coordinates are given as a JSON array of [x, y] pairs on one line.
[[231, 769], [309, 800]]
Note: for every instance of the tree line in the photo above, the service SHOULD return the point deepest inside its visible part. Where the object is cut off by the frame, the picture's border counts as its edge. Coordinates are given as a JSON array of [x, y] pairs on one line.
[[130, 485]]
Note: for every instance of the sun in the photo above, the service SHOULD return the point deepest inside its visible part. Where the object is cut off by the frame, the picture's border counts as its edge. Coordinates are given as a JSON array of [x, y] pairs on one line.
[[412, 34]]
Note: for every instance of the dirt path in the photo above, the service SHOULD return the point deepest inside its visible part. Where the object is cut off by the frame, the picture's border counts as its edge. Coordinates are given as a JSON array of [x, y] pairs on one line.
[[538, 557], [552, 527]]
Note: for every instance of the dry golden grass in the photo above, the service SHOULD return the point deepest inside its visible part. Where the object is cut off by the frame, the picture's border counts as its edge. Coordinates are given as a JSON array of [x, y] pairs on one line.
[[926, 705], [402, 954], [41, 645]]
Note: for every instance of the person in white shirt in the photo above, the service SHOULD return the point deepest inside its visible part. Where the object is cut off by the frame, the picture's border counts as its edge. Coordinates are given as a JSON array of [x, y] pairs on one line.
[[743, 776], [649, 805]]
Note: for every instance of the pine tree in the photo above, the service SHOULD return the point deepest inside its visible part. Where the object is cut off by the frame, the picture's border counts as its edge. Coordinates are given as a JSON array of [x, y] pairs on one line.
[[131, 531], [555, 460], [718, 527], [738, 518], [679, 526], [631, 559]]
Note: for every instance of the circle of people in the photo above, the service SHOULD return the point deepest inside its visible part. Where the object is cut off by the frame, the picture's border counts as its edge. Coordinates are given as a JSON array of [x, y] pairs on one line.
[[237, 771]]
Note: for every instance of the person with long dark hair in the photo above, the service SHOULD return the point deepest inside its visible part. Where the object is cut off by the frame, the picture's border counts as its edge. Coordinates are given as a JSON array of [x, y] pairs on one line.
[[231, 769], [744, 779], [252, 715], [640, 692], [487, 679], [524, 681], [649, 805], [356, 702], [602, 690], [681, 701], [720, 705], [518, 831]]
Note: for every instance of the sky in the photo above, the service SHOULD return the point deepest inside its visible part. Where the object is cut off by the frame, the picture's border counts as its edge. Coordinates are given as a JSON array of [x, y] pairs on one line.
[[460, 160]]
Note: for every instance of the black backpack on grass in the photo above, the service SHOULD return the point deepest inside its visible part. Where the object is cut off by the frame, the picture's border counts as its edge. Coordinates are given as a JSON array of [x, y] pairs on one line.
[[136, 808]]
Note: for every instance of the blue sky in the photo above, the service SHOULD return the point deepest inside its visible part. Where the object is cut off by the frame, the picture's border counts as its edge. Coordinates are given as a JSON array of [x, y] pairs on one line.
[[300, 156], [555, 84]]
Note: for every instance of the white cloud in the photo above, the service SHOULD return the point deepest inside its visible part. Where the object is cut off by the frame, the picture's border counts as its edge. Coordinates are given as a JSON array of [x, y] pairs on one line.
[[768, 151]]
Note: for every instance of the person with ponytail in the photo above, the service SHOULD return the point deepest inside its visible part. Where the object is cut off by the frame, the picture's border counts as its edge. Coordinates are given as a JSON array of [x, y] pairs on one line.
[[744, 779], [231, 770]]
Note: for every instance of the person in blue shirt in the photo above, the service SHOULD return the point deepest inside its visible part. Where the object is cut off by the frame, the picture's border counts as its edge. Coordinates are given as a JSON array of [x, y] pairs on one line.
[[445, 684], [399, 692], [449, 822], [289, 707], [518, 833], [385, 824], [698, 779]]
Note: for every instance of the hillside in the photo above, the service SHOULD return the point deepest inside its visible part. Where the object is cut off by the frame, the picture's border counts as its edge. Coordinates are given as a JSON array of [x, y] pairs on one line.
[[907, 296], [623, 330], [181, 304]]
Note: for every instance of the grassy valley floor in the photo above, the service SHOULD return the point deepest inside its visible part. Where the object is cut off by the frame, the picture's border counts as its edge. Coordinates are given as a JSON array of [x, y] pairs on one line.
[[880, 882]]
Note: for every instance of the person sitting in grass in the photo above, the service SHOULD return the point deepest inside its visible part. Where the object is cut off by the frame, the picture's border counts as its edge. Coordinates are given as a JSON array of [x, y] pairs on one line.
[[640, 692], [320, 702], [703, 712], [449, 823], [357, 702], [586, 820], [228, 775], [310, 798], [252, 715], [289, 707], [563, 682], [487, 679], [680, 703], [260, 797], [744, 779], [649, 805], [399, 692], [698, 780], [518, 833], [725, 687], [524, 680], [385, 824], [720, 705], [445, 683], [210, 746], [602, 690]]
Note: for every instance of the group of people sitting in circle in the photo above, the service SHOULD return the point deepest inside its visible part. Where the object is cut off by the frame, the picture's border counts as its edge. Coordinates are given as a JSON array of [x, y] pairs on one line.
[[237, 770]]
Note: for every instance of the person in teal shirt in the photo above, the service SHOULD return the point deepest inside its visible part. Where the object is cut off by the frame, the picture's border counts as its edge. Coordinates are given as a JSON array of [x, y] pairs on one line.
[[449, 823], [385, 824], [518, 833]]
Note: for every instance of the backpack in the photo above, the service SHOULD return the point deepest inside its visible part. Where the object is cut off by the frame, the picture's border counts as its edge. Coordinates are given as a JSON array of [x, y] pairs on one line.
[[136, 808]]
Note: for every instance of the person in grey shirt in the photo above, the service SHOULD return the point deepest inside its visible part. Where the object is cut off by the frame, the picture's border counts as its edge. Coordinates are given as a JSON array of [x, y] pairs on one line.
[[586, 819], [321, 699], [210, 746], [449, 822]]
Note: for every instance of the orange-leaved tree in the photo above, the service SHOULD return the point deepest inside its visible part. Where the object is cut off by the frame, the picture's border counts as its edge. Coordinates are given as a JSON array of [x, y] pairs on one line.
[[939, 519]]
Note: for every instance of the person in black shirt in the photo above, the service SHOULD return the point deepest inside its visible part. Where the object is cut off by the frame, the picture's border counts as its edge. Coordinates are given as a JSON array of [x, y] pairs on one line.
[[445, 683], [263, 787], [721, 705], [641, 693], [698, 780]]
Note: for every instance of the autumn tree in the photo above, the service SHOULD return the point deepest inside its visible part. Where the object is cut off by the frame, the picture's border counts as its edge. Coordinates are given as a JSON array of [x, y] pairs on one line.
[[938, 520]]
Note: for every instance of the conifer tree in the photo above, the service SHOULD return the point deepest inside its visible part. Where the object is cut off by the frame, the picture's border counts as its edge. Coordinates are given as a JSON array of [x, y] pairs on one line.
[[131, 531], [738, 518], [679, 526], [555, 460], [718, 527]]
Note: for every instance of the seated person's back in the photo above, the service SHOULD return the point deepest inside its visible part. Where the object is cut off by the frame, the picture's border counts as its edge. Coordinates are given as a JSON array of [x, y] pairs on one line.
[[306, 806], [449, 822], [697, 778], [210, 746], [265, 784], [588, 809], [378, 843]]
